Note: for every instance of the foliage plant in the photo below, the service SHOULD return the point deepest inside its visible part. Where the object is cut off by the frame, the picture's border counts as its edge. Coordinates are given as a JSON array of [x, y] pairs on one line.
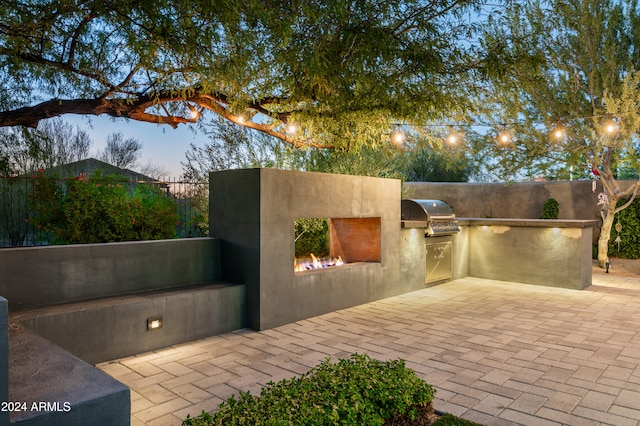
[[100, 209], [572, 98], [625, 236], [550, 209], [354, 391], [330, 67], [311, 236]]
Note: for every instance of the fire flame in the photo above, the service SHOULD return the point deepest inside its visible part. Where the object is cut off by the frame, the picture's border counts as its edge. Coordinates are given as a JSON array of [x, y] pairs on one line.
[[316, 263]]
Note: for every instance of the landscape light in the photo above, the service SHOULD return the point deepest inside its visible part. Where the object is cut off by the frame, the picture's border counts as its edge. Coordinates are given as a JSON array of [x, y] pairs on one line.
[[154, 323]]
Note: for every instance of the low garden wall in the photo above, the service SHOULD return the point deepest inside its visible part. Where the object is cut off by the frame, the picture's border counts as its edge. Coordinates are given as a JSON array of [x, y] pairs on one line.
[[95, 300], [42, 276]]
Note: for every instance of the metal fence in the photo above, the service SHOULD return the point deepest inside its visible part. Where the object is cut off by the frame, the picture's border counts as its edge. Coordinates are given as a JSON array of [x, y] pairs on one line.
[[18, 213]]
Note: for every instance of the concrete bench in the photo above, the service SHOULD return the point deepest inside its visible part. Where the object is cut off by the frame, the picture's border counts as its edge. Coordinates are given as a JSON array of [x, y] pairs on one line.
[[42, 384], [115, 327]]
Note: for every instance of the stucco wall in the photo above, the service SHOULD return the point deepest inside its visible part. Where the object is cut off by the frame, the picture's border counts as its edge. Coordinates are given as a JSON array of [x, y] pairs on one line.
[[551, 253], [40, 276], [106, 329], [576, 199], [253, 215]]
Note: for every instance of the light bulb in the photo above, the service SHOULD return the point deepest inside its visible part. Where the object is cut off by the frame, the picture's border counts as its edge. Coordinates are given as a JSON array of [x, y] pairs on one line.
[[610, 127], [398, 138], [504, 138], [454, 138]]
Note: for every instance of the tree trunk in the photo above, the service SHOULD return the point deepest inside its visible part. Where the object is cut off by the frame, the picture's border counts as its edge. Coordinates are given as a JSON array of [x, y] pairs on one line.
[[605, 234]]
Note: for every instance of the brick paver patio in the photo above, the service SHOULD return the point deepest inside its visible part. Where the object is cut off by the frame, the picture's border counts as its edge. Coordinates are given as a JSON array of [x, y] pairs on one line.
[[498, 353]]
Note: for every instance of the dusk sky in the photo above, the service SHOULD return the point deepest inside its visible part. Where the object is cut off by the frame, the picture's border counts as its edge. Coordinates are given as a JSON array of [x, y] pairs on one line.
[[162, 145]]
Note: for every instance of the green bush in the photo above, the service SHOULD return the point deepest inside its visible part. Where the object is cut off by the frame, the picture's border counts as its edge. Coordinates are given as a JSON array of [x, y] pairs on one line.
[[550, 209], [311, 236], [355, 391], [628, 223], [100, 210]]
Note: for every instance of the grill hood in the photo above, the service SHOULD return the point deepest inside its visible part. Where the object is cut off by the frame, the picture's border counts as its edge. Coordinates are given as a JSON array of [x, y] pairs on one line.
[[437, 217]]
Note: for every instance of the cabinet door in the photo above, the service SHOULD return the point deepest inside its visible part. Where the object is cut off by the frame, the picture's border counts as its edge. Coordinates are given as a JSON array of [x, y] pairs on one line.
[[438, 261]]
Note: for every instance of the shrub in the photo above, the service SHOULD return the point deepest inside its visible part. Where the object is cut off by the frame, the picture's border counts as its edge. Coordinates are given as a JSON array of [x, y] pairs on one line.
[[550, 209], [628, 235], [100, 210], [357, 391], [312, 236]]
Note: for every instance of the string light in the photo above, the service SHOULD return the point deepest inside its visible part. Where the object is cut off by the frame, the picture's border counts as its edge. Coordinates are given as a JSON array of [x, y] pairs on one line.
[[504, 137], [292, 128], [398, 138], [453, 137], [610, 127], [558, 132], [193, 113]]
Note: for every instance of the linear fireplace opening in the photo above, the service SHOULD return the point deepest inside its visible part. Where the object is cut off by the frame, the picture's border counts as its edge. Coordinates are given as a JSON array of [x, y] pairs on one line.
[[330, 242]]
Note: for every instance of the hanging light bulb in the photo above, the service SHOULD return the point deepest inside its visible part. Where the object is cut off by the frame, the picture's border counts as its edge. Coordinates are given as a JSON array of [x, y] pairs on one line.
[[558, 132], [398, 137], [454, 138], [504, 137], [610, 128], [291, 128], [193, 113]]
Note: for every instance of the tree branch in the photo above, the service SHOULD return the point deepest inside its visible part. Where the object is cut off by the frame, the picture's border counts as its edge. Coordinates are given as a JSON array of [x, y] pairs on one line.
[[137, 109], [633, 190], [35, 59], [76, 34]]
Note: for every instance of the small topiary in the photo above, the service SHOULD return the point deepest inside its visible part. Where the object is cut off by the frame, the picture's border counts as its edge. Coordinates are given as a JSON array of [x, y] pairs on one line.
[[357, 391], [550, 209]]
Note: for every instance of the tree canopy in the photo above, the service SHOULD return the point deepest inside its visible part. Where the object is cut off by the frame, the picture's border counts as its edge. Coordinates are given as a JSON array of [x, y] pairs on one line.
[[340, 71], [574, 100]]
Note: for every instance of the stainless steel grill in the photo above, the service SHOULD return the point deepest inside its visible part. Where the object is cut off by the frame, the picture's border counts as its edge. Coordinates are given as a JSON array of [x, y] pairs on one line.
[[439, 223], [435, 216]]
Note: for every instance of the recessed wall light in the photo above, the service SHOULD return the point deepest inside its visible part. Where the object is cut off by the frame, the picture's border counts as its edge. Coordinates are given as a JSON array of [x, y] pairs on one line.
[[154, 323]]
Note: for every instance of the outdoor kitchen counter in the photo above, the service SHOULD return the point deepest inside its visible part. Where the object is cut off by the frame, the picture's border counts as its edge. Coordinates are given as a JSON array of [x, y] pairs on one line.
[[542, 223], [546, 252]]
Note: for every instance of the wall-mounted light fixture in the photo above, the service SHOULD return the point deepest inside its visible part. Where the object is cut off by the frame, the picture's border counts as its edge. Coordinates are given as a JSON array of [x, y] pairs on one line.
[[154, 323]]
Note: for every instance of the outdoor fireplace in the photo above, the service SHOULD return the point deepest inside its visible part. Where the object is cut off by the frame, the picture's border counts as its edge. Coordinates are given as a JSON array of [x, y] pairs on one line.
[[349, 240], [252, 211]]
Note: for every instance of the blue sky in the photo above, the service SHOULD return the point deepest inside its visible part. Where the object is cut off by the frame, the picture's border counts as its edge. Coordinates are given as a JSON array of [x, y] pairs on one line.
[[162, 145]]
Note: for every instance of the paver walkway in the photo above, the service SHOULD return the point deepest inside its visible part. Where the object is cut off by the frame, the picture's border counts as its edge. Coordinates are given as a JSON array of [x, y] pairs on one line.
[[497, 353]]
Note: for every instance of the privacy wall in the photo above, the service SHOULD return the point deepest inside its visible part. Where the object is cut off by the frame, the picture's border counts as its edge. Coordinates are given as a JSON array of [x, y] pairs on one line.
[[252, 212]]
